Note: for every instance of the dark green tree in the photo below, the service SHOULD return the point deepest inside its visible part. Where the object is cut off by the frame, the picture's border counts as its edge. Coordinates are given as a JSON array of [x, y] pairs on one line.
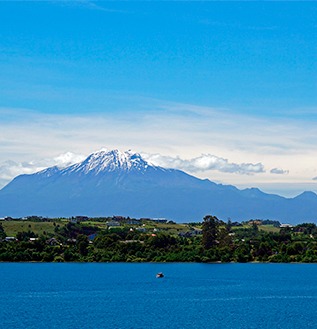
[[210, 230], [82, 244], [25, 236], [2, 232], [229, 225]]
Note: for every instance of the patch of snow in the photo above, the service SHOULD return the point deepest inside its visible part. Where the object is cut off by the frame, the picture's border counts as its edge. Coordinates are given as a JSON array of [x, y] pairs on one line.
[[110, 161]]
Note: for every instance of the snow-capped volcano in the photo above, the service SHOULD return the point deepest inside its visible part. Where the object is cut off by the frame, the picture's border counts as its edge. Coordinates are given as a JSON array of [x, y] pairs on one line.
[[102, 162], [122, 183], [109, 161]]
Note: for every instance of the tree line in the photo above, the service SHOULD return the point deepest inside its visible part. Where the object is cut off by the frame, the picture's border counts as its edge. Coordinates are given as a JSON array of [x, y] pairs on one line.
[[219, 242]]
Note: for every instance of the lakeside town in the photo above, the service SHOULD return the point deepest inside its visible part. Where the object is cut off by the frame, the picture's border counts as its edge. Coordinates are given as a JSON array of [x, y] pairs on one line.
[[124, 239]]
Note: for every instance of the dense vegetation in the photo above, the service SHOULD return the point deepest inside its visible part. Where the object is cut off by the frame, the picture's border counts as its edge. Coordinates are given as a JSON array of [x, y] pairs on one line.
[[126, 240]]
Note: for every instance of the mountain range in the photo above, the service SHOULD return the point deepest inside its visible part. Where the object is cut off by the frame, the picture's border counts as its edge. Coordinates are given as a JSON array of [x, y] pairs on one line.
[[110, 183]]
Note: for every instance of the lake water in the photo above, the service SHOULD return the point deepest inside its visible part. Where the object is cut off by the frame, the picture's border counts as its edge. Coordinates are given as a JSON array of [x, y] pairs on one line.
[[129, 296]]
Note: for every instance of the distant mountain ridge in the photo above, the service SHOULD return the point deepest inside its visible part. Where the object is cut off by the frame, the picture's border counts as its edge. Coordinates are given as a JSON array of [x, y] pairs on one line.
[[122, 183]]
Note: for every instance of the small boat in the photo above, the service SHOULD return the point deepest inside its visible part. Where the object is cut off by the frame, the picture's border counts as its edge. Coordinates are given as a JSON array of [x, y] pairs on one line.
[[160, 275]]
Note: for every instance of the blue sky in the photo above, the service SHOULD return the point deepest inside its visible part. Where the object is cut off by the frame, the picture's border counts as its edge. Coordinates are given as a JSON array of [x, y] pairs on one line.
[[223, 82]]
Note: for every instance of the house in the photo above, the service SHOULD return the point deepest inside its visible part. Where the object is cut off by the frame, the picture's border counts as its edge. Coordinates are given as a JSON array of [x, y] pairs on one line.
[[112, 223], [79, 219], [286, 225], [10, 238], [141, 229], [133, 222], [196, 232], [159, 220], [52, 242], [118, 218], [255, 222], [82, 218]]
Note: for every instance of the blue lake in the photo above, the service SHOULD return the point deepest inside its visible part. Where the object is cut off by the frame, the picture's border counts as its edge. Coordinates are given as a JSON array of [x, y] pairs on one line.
[[129, 296]]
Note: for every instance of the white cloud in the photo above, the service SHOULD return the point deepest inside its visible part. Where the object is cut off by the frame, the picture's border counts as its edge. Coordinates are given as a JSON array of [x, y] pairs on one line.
[[205, 162], [160, 127], [10, 169], [279, 171], [230, 143], [67, 159]]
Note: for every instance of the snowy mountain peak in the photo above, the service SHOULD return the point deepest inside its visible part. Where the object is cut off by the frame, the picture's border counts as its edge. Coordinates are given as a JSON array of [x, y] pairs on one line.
[[108, 161]]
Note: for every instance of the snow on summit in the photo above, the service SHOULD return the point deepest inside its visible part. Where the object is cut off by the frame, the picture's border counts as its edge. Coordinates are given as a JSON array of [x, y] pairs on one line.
[[107, 161]]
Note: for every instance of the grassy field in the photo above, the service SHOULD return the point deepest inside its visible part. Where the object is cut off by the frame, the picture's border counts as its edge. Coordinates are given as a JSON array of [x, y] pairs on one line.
[[265, 228], [269, 228], [101, 225], [13, 227], [171, 228]]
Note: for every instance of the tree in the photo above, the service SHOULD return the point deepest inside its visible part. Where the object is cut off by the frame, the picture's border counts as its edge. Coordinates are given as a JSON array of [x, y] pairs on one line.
[[210, 230], [2, 232], [25, 236], [229, 225], [82, 244]]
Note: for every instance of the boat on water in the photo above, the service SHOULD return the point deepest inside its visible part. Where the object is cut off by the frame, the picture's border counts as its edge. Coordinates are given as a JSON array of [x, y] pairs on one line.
[[160, 275]]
